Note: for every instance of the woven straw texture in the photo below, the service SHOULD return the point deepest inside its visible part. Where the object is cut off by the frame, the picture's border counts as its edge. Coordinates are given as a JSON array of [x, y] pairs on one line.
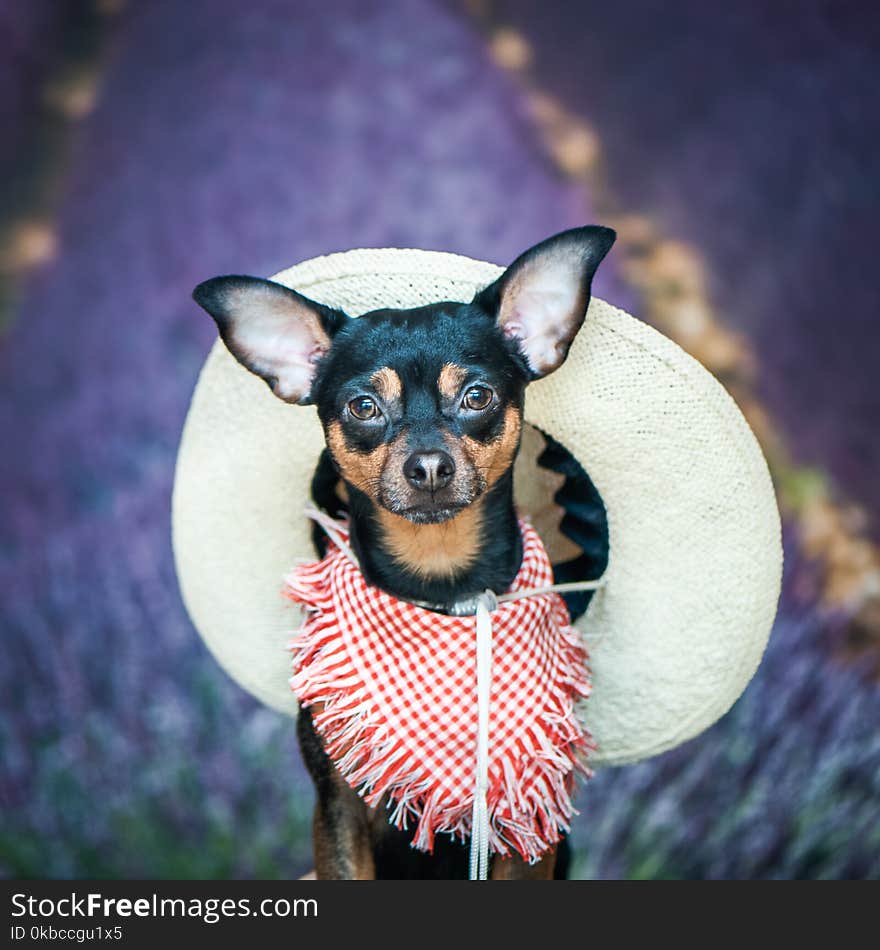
[[695, 567]]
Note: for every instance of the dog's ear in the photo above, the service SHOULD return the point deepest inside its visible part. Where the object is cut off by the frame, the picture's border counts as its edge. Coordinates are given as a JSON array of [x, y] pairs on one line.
[[275, 332], [542, 298]]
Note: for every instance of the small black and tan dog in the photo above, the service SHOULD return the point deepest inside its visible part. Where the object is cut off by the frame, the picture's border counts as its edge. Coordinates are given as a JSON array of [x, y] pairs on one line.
[[422, 412]]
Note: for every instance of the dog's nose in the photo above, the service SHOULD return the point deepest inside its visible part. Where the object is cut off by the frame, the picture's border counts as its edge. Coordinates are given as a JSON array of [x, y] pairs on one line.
[[429, 471]]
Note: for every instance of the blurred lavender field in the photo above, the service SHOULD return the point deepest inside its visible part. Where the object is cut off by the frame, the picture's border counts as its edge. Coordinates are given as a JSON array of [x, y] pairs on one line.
[[242, 139], [751, 130]]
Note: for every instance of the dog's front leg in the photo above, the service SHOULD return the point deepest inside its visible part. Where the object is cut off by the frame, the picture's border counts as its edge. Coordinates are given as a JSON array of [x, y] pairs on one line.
[[343, 849], [515, 868], [341, 824]]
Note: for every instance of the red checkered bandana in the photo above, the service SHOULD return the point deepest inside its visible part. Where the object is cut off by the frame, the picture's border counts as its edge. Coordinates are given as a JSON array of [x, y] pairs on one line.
[[392, 688]]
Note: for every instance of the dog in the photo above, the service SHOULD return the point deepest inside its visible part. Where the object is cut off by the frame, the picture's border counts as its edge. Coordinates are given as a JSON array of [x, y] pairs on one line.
[[422, 411]]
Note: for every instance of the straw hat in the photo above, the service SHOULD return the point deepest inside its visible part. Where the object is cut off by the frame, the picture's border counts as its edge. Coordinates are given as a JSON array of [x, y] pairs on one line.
[[695, 552]]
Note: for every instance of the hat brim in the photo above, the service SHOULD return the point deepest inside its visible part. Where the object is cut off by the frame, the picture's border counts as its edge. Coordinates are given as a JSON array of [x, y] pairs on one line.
[[695, 562]]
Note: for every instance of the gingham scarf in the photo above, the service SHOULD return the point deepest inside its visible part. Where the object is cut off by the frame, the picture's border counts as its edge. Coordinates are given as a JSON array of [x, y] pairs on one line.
[[392, 688]]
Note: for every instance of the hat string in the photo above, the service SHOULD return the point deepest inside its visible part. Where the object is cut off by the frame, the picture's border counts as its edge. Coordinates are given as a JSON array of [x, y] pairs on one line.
[[484, 605]]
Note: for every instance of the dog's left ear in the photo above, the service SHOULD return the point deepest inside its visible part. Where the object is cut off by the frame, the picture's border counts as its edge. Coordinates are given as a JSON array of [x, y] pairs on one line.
[[542, 298], [279, 335]]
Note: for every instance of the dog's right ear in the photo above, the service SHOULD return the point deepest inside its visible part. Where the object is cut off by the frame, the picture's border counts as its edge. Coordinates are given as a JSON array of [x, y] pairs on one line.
[[271, 330], [541, 300]]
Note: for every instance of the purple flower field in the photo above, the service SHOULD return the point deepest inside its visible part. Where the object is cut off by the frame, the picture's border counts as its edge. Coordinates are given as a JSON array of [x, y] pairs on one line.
[[750, 129], [243, 138]]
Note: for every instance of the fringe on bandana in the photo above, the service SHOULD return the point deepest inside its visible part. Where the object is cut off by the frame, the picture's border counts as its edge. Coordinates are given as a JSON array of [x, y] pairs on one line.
[[392, 689]]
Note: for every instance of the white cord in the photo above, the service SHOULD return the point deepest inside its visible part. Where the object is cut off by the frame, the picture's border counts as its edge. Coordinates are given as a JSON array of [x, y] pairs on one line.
[[332, 532], [479, 867]]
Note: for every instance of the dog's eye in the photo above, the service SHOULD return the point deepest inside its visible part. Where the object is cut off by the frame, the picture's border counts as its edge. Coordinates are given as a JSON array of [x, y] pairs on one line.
[[363, 408], [477, 398]]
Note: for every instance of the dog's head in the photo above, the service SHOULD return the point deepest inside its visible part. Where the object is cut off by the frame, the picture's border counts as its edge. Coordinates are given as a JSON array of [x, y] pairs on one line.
[[421, 408]]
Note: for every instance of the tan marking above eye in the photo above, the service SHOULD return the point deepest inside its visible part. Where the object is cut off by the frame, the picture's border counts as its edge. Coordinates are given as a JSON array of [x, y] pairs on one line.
[[450, 379], [361, 469], [387, 383], [493, 459]]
